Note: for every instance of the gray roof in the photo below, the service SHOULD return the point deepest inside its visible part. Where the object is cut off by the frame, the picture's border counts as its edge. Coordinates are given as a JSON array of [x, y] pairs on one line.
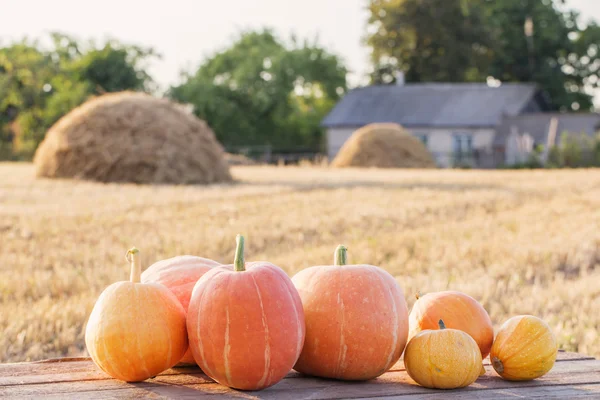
[[431, 104], [538, 124]]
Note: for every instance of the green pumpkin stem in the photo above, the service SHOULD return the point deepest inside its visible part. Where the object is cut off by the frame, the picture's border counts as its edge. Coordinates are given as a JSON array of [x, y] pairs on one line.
[[340, 256], [441, 324], [133, 256], [238, 263]]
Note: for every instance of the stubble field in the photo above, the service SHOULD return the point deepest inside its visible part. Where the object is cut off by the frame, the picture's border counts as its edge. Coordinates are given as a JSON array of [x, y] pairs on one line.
[[521, 242]]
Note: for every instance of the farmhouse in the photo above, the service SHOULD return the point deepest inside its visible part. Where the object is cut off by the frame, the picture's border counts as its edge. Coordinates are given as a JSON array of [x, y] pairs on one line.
[[472, 124]]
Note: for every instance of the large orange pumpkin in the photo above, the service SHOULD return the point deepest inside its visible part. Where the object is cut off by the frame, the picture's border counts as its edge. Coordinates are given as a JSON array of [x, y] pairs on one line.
[[136, 330], [459, 311], [525, 348], [443, 359], [245, 326], [179, 274], [356, 320]]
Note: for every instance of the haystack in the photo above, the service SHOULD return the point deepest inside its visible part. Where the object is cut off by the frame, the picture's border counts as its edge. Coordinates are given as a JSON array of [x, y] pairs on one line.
[[132, 137], [383, 146]]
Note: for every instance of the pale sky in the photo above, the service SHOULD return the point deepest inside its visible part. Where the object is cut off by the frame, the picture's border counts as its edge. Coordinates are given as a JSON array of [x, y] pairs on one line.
[[186, 31]]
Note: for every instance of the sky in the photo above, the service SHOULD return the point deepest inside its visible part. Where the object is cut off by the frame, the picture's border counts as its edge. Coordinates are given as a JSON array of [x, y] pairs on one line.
[[187, 31]]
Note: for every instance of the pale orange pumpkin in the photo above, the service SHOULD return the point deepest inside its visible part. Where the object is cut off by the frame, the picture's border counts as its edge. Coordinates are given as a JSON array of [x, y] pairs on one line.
[[245, 326], [136, 330], [459, 311], [443, 359], [525, 348], [356, 320], [179, 274]]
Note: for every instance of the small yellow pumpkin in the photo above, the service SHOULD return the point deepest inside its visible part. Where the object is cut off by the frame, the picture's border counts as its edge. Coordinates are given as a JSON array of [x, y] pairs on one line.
[[525, 348], [136, 330], [443, 359]]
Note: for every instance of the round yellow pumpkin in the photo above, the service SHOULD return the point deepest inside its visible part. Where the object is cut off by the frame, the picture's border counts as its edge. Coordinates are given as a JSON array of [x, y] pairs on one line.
[[525, 348], [443, 359], [459, 311], [136, 330]]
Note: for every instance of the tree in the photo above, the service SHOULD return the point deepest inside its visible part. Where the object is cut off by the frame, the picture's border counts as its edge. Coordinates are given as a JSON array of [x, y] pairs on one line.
[[469, 40], [547, 52], [25, 76], [115, 67], [260, 91], [430, 40], [38, 85]]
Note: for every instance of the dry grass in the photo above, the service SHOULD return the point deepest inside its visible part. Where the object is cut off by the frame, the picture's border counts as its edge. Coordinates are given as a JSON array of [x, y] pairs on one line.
[[521, 241]]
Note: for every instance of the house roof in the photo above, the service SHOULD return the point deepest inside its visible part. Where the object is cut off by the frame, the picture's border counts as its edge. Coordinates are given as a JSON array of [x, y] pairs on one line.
[[431, 104], [537, 125]]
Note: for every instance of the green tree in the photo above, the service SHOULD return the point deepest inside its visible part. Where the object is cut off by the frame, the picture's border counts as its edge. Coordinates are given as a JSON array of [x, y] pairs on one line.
[[547, 52], [25, 75], [115, 67], [39, 85], [468, 40], [262, 91], [430, 40]]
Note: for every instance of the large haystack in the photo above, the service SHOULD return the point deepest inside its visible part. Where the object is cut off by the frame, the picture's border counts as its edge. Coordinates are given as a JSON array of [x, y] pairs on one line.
[[383, 146], [132, 137]]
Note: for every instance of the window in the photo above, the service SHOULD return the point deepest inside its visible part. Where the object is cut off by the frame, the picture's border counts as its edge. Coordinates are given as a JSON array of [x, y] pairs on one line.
[[462, 149], [462, 143]]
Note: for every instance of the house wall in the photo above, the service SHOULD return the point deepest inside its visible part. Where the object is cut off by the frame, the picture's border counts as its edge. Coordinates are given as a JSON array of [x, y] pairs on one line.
[[336, 137], [440, 142]]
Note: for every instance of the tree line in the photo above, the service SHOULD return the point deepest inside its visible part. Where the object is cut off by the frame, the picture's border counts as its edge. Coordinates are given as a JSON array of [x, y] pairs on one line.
[[264, 89]]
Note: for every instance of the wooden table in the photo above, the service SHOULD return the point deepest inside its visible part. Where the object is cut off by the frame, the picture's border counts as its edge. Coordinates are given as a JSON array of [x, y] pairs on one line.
[[573, 376]]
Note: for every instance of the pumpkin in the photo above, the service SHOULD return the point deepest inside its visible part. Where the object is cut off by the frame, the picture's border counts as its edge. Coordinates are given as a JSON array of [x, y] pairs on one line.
[[179, 274], [443, 359], [246, 325], [136, 330], [459, 311], [356, 320], [525, 348]]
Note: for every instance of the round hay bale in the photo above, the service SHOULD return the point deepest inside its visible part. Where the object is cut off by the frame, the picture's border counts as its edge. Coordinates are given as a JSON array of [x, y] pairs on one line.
[[132, 137], [383, 146]]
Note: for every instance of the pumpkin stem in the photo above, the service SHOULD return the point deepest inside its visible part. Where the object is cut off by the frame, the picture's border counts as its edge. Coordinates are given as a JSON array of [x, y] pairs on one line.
[[133, 256], [238, 263], [441, 324], [497, 364], [340, 255]]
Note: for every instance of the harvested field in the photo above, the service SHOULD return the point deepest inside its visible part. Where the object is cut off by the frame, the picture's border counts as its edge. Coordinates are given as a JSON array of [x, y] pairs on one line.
[[522, 242]]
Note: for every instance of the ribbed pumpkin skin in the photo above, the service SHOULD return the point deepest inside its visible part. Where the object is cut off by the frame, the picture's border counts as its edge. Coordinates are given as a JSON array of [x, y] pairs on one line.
[[356, 321], [246, 328], [459, 311], [525, 348], [443, 359], [179, 274], [136, 331]]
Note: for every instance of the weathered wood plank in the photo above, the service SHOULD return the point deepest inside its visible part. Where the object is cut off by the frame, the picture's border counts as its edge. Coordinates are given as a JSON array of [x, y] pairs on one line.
[[546, 392], [84, 366], [389, 384], [80, 369], [165, 392]]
